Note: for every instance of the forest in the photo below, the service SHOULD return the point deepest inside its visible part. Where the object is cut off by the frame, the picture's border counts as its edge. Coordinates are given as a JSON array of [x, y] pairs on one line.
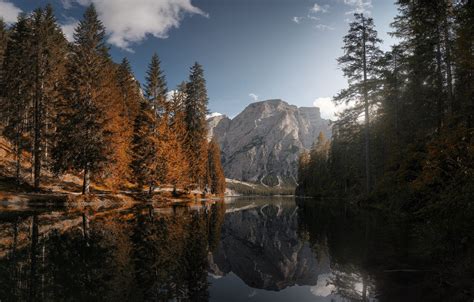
[[406, 140], [69, 108], [406, 144]]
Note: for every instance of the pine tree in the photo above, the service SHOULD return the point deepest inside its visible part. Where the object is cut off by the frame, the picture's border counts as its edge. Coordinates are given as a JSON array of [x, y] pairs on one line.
[[49, 49], [145, 147], [359, 64], [156, 95], [129, 88], [424, 30], [179, 167], [215, 172], [82, 141], [464, 62], [196, 126], [18, 84], [155, 88]]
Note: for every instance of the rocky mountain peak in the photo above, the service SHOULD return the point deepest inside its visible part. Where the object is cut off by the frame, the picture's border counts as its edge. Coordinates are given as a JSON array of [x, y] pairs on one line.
[[263, 142]]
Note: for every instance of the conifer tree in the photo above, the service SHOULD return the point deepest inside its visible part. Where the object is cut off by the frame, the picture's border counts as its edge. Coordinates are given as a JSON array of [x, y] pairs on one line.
[[196, 126], [129, 88], [82, 139], [145, 147], [49, 49], [464, 62], [155, 88], [359, 64], [178, 112], [18, 84], [156, 95]]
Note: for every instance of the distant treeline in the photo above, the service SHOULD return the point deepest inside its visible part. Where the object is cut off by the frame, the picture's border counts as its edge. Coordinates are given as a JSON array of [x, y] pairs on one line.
[[406, 141], [69, 108]]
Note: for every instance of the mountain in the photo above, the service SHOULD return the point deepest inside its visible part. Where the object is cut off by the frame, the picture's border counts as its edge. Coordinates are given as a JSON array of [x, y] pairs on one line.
[[263, 142], [261, 245]]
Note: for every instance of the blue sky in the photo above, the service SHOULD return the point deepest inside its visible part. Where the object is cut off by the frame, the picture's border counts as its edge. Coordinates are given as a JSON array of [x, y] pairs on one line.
[[250, 49]]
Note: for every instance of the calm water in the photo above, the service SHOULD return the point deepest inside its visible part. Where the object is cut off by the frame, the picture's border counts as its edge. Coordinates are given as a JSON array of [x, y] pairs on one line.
[[248, 249]]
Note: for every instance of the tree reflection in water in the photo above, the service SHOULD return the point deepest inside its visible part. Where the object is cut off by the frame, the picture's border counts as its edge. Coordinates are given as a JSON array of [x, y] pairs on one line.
[[266, 249], [131, 254]]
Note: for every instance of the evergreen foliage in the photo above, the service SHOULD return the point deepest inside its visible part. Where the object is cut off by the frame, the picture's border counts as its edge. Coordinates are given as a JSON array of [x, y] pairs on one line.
[[196, 126]]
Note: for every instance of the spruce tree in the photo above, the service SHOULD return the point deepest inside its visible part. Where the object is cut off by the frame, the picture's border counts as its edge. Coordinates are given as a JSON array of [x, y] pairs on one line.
[[82, 140], [179, 166], [196, 125], [464, 62], [129, 88], [156, 95], [359, 64], [155, 88], [49, 49], [18, 83], [145, 147]]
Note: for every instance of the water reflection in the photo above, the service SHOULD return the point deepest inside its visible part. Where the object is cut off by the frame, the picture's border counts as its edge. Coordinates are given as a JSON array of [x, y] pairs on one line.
[[246, 249]]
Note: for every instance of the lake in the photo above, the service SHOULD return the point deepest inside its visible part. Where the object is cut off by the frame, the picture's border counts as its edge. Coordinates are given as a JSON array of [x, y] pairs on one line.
[[239, 249]]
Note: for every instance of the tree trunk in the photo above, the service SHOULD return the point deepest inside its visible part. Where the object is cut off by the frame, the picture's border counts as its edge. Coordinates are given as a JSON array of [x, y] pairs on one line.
[[85, 226], [86, 181], [37, 142], [18, 156], [449, 73], [150, 189], [366, 111], [34, 244], [439, 71]]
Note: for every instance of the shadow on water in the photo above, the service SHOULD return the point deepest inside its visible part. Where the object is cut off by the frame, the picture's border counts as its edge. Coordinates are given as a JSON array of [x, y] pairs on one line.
[[264, 249]]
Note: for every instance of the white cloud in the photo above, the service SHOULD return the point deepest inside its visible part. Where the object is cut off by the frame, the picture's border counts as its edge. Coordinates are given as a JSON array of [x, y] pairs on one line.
[[297, 20], [312, 15], [128, 22], [327, 107], [323, 27], [68, 28], [8, 11], [319, 9], [254, 97], [359, 6]]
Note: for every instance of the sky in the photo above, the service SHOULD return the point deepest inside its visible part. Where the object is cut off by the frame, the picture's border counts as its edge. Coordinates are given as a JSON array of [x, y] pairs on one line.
[[251, 50]]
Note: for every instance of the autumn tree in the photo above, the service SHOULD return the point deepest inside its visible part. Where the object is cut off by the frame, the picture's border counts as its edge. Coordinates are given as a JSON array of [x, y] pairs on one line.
[[215, 171], [82, 140]]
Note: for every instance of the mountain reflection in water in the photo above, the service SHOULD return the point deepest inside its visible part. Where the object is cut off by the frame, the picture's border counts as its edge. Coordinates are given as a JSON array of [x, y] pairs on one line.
[[259, 249]]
